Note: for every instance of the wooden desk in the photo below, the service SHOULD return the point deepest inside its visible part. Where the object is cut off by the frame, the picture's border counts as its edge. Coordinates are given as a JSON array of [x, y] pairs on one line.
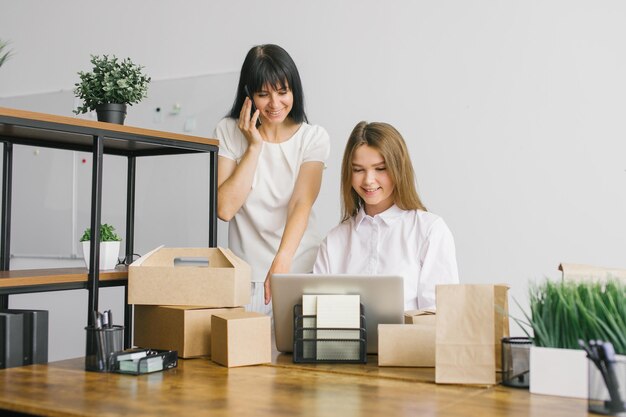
[[198, 387]]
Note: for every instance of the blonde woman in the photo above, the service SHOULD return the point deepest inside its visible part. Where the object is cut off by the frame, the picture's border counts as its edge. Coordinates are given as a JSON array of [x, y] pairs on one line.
[[385, 228]]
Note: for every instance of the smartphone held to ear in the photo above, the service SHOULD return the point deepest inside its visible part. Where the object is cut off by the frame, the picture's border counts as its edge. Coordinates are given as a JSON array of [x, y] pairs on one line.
[[258, 120]]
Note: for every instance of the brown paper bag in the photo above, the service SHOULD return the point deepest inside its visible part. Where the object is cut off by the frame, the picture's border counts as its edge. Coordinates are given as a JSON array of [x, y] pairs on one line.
[[471, 320]]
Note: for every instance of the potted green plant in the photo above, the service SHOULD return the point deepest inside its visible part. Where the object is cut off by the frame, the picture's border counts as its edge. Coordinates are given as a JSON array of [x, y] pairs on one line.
[[109, 246], [110, 86], [4, 55], [561, 313]]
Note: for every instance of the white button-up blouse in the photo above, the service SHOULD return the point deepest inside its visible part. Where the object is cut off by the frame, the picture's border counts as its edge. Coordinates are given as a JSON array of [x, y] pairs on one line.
[[414, 244]]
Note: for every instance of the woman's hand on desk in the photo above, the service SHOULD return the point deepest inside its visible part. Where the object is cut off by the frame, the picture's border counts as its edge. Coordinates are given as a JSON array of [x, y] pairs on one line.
[[280, 265]]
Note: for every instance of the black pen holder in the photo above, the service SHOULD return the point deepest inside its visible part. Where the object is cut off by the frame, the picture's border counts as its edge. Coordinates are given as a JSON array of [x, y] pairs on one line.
[[516, 361], [101, 345], [607, 389]]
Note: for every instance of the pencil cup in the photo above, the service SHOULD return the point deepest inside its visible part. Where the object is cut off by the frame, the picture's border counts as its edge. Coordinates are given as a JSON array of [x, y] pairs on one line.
[[101, 344], [607, 388], [515, 361]]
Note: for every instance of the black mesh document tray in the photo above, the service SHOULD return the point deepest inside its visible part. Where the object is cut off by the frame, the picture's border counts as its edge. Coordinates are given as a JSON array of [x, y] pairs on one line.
[[327, 345]]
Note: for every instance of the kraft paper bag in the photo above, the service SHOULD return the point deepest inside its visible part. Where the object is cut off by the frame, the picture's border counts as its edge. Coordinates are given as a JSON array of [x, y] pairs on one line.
[[471, 321]]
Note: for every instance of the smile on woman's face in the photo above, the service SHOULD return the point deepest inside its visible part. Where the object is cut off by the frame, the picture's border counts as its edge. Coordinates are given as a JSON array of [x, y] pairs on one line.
[[371, 180], [274, 104]]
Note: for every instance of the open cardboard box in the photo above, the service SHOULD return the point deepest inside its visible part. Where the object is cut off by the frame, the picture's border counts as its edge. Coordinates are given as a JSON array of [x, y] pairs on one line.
[[162, 277]]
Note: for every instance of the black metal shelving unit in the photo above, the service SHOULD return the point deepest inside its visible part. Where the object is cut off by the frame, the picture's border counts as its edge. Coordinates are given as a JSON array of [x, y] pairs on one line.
[[19, 127]]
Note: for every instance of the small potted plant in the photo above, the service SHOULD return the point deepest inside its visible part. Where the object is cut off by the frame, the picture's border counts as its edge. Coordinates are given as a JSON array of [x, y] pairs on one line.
[[109, 246], [111, 85], [561, 314]]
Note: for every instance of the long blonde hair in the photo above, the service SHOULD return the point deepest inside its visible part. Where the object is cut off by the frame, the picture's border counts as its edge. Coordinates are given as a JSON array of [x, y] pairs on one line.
[[389, 142]]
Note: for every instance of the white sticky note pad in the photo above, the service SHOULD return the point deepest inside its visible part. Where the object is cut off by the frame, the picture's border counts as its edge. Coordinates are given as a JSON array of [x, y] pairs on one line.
[[343, 312], [309, 308], [339, 311], [309, 305]]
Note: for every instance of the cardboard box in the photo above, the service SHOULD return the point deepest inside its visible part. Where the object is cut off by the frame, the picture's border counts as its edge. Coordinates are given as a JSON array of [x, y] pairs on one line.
[[186, 330], [407, 344], [241, 338], [158, 278], [424, 317], [577, 272]]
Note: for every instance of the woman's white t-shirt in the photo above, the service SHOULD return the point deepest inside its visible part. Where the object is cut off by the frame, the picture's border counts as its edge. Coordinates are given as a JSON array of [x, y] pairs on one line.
[[255, 232], [414, 244]]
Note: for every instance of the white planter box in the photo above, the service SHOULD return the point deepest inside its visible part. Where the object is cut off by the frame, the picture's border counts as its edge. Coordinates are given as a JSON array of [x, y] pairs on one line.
[[561, 372], [109, 252]]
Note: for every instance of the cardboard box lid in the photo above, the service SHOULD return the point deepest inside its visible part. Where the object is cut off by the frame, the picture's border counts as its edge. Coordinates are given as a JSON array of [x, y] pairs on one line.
[[217, 257], [157, 279], [239, 314], [424, 312], [192, 307], [425, 316]]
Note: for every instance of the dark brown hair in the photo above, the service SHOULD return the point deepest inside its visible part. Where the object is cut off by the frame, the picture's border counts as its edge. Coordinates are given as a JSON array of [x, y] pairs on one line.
[[269, 64]]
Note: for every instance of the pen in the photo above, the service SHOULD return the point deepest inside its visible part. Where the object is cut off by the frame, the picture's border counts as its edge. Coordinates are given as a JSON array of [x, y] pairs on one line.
[[602, 354], [100, 352], [105, 319], [607, 357], [94, 316]]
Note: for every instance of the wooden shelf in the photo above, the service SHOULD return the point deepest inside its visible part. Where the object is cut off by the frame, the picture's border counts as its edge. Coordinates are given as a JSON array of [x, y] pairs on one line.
[[15, 279], [61, 132]]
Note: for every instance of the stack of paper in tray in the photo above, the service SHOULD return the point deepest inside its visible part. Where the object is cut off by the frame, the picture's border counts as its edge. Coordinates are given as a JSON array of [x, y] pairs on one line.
[[142, 366], [337, 322]]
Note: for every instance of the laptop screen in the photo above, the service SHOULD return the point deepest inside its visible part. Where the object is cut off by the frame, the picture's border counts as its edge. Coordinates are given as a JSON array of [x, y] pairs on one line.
[[382, 297]]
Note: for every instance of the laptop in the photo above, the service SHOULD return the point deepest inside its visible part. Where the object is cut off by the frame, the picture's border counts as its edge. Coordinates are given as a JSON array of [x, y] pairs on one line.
[[381, 295]]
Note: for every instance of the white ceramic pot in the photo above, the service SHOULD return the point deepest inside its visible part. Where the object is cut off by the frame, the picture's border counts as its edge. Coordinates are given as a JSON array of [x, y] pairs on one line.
[[109, 253], [561, 372]]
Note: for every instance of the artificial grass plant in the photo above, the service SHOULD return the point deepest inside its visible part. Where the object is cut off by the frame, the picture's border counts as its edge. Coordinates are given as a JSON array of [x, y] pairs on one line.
[[561, 313]]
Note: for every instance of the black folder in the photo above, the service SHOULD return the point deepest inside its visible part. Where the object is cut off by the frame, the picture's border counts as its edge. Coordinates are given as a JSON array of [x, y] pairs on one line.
[[11, 340], [35, 335]]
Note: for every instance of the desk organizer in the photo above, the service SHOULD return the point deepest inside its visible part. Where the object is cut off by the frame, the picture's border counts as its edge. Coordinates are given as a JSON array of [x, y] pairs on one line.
[[154, 361], [327, 345], [607, 388], [102, 343]]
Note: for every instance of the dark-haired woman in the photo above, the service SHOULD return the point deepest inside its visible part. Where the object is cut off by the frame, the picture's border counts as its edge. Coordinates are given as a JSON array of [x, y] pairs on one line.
[[270, 171]]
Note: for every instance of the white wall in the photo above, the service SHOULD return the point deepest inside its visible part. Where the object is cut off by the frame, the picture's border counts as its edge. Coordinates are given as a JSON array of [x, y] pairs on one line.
[[512, 109]]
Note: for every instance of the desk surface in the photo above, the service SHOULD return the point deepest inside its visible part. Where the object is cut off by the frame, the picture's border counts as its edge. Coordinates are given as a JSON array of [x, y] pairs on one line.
[[199, 387]]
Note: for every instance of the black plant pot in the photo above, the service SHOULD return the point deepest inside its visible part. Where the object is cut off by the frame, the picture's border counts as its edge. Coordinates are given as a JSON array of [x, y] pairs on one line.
[[111, 113]]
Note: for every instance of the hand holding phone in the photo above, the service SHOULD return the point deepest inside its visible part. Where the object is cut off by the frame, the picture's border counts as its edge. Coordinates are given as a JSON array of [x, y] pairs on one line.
[[253, 110]]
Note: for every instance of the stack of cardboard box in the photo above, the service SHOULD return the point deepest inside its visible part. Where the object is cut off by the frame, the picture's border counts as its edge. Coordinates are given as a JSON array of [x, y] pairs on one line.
[[179, 293]]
